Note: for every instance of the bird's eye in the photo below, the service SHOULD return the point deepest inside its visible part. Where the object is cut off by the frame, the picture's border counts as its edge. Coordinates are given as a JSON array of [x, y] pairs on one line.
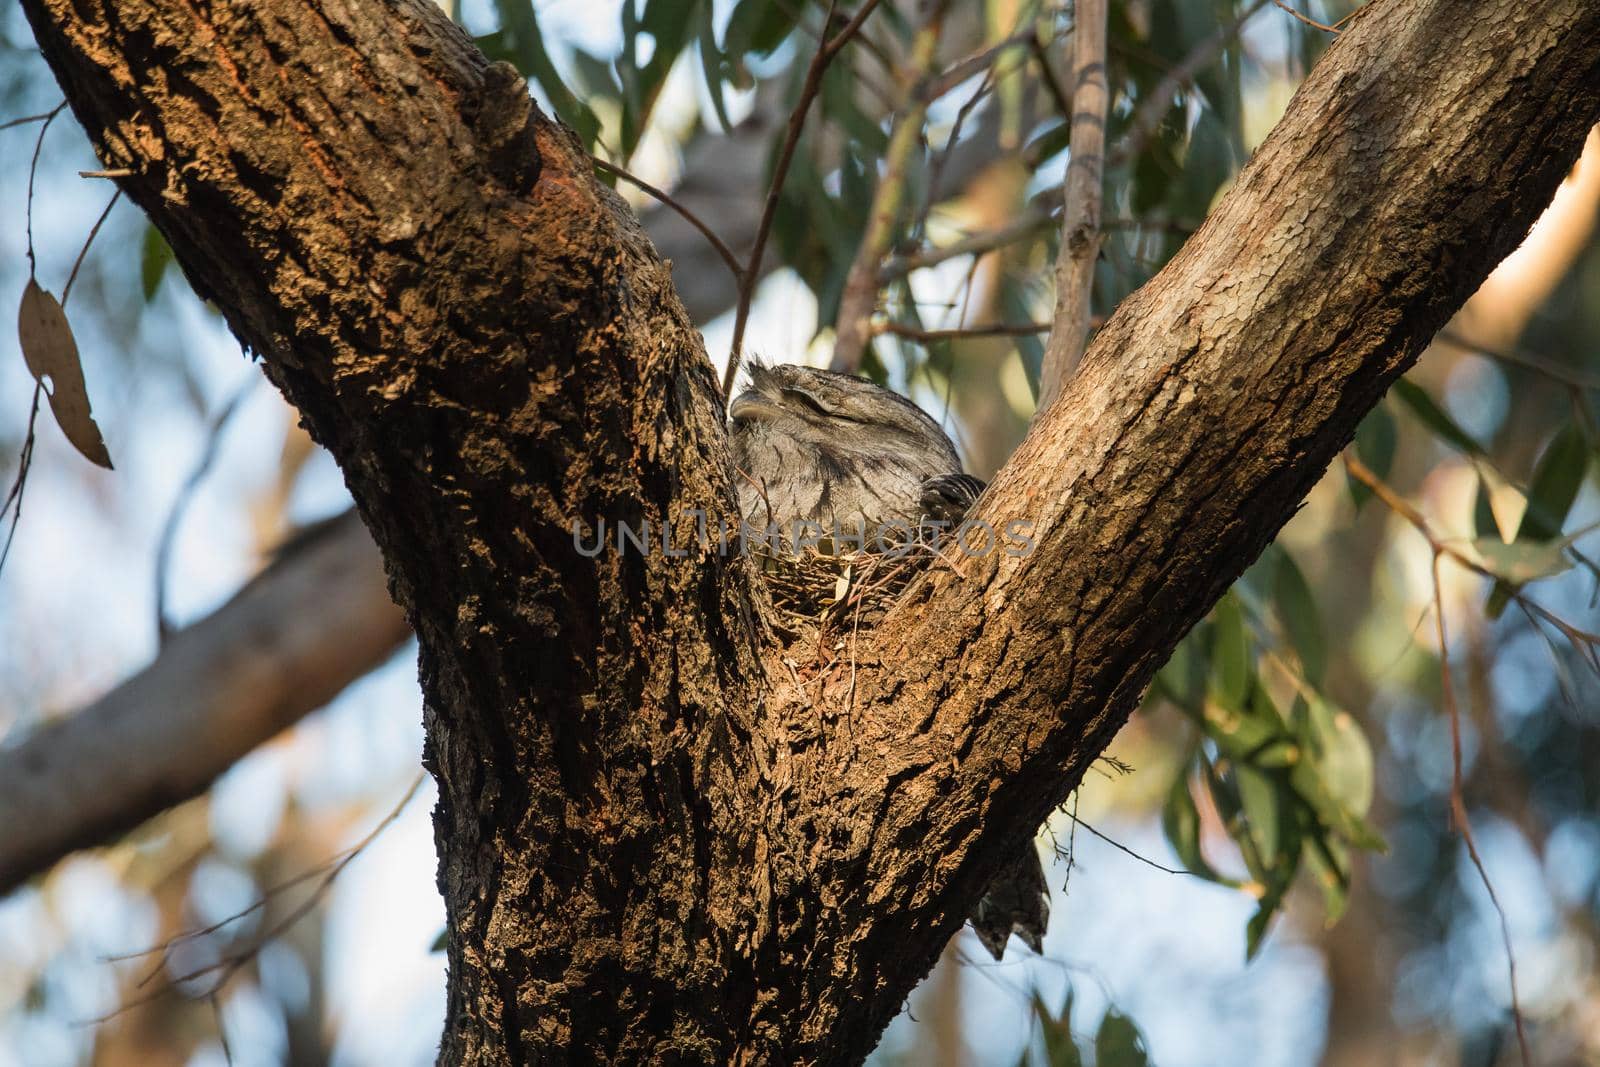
[[808, 400]]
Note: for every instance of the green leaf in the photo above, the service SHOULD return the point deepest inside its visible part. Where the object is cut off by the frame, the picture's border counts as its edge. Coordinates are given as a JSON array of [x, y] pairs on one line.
[[155, 256], [1180, 821], [1230, 654], [758, 27], [1376, 439], [713, 66], [519, 42], [1208, 164], [1521, 562], [1330, 869], [441, 941], [1343, 756], [1059, 1047], [1557, 478], [1182, 679], [1436, 418], [1047, 144], [1258, 793], [1297, 607], [1118, 1042], [1335, 780], [668, 24], [838, 96]]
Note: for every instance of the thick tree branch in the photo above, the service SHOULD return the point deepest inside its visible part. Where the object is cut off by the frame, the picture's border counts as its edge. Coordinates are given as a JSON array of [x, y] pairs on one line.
[[651, 847], [285, 645]]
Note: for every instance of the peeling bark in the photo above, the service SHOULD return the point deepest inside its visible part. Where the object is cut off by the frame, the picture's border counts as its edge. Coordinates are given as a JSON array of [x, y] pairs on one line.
[[652, 846]]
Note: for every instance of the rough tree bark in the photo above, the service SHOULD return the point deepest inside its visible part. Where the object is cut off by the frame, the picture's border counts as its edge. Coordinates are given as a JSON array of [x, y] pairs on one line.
[[652, 843], [238, 678]]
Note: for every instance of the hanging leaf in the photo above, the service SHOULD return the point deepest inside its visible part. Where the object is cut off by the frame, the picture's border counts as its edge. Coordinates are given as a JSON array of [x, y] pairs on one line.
[[1118, 1042], [1331, 871], [52, 357], [1521, 562], [1435, 417], [1180, 821], [1343, 756], [669, 25], [155, 256], [1060, 1049], [1557, 478], [1230, 655], [714, 67], [1258, 793], [1336, 779], [758, 27], [1298, 610]]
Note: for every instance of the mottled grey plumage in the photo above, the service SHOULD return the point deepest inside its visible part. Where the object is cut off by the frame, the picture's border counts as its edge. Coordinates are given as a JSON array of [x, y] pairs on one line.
[[835, 449], [832, 449]]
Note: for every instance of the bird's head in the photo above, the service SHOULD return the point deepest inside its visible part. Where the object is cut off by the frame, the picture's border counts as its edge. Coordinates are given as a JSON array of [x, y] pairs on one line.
[[835, 411]]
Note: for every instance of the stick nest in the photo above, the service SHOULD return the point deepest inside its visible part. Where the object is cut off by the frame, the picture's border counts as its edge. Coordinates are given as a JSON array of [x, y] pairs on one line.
[[827, 594]]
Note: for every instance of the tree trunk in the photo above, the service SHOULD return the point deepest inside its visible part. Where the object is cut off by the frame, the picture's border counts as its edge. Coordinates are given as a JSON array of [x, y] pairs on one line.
[[652, 843]]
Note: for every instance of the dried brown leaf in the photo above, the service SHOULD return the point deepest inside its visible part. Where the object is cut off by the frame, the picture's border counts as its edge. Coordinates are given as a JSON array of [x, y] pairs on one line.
[[51, 352]]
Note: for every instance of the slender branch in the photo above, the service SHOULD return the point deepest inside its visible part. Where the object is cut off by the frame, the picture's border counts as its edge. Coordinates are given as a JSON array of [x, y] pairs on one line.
[[860, 295], [690, 217], [1309, 21], [43, 116], [169, 528], [1081, 195], [1458, 803], [1042, 211], [999, 329], [33, 169], [287, 643], [229, 963], [797, 118], [94, 231]]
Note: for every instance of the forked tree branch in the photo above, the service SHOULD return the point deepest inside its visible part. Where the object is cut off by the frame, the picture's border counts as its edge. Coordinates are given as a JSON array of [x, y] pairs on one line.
[[653, 844]]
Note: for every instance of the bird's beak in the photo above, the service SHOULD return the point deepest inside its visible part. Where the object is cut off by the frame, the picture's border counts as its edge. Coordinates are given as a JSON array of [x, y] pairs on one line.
[[750, 404]]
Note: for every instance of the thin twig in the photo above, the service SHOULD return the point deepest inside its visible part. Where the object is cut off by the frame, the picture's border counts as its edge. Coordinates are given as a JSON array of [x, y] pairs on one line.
[[33, 169], [44, 116], [1080, 197], [169, 529], [998, 329], [120, 172], [813, 84], [690, 217], [1119, 846], [860, 294], [229, 964], [1458, 804], [1313, 23], [94, 231], [24, 464]]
